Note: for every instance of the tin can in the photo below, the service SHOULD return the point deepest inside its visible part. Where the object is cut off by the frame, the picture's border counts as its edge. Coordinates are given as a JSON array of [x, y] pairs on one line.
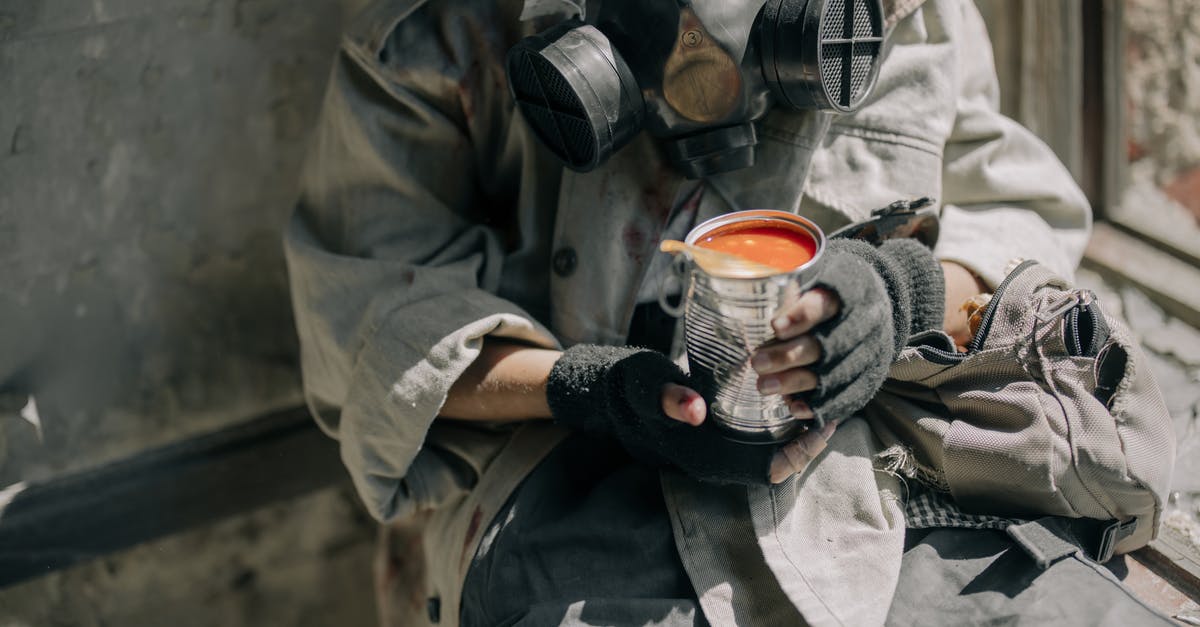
[[727, 319]]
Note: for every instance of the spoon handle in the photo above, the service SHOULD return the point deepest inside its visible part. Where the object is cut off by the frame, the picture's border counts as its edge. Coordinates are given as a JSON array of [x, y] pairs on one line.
[[719, 263]]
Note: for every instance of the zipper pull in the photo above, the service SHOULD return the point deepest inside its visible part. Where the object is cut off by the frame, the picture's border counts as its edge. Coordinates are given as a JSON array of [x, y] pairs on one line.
[[1084, 330], [1078, 298]]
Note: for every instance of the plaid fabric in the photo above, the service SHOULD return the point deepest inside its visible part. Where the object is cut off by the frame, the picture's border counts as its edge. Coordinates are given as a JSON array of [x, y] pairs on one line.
[[928, 508]]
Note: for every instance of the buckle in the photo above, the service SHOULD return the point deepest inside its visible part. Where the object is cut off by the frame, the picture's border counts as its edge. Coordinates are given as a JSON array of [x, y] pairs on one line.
[[1112, 535]]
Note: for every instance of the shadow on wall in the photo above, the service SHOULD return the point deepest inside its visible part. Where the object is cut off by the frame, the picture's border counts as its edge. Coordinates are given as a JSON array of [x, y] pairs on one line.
[[149, 155]]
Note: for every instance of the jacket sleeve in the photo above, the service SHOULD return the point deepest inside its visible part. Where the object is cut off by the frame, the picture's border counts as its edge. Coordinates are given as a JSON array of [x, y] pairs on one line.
[[1005, 194], [392, 252]]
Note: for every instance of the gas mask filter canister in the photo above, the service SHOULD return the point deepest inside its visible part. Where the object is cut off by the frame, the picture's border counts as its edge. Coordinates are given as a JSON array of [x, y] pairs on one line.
[[691, 74]]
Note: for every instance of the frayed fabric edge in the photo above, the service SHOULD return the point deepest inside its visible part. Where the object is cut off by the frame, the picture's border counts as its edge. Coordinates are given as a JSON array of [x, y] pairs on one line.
[[900, 461]]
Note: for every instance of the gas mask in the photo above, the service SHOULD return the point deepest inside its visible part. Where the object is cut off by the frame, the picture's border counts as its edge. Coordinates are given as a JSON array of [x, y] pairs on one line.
[[694, 74]]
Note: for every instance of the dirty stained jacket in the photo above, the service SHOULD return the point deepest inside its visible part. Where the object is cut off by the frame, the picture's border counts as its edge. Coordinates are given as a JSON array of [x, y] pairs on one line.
[[431, 218]]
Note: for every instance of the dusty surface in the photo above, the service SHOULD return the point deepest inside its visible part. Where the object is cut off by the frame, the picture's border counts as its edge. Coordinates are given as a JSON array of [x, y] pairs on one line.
[[304, 563], [1152, 589]]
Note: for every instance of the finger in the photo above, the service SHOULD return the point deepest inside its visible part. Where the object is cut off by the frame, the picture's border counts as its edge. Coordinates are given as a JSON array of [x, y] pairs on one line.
[[798, 351], [683, 404], [812, 308], [787, 382], [799, 409], [796, 455]]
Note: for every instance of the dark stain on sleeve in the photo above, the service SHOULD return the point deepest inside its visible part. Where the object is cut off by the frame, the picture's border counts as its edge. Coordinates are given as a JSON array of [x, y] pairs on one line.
[[658, 194], [692, 202], [633, 239]]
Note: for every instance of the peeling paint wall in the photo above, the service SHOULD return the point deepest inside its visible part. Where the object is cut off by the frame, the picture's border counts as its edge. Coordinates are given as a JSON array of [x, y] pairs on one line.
[[1162, 82], [1162, 88]]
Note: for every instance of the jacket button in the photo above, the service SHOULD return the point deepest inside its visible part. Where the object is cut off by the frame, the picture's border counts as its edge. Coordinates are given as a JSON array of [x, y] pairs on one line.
[[433, 607], [564, 261]]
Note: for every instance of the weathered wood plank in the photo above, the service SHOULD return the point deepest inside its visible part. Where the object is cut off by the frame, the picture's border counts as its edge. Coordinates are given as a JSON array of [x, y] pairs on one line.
[[1171, 558], [1172, 232], [1173, 283], [1038, 48], [1103, 176]]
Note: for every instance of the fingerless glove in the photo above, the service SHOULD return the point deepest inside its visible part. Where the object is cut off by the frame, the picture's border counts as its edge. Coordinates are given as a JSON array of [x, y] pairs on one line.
[[887, 294], [617, 392]]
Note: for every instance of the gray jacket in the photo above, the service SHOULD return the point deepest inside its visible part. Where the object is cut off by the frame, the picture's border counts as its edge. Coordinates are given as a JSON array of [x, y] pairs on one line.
[[431, 218]]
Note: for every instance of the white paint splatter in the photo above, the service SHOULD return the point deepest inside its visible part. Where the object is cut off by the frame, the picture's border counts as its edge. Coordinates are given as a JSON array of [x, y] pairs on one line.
[[115, 181], [30, 413]]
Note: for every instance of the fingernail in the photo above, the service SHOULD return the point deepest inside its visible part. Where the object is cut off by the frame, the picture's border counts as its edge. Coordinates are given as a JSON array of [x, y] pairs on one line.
[[760, 362], [696, 409], [768, 385], [800, 409], [780, 324]]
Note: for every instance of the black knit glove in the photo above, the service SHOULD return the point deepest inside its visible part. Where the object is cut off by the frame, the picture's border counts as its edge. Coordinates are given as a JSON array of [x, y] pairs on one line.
[[887, 294], [617, 392]]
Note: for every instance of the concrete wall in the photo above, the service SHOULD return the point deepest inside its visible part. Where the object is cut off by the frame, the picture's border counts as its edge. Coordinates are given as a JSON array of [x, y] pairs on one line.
[[148, 157]]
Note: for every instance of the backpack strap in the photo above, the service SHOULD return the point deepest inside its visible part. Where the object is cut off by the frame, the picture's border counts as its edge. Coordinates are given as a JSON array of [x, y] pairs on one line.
[[1051, 538]]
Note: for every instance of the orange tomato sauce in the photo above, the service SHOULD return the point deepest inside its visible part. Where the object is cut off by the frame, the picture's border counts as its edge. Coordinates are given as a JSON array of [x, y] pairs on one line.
[[780, 247]]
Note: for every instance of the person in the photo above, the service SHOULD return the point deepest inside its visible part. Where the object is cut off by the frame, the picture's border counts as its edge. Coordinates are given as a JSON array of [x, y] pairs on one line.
[[471, 316]]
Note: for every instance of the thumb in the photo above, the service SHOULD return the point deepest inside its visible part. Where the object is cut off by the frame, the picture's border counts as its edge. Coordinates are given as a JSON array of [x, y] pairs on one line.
[[683, 404]]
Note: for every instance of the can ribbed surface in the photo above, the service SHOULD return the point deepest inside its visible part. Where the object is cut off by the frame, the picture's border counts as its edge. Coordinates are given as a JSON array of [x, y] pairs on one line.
[[724, 324], [727, 319]]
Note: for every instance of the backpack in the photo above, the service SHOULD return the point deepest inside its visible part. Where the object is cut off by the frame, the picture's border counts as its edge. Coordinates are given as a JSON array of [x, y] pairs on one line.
[[1052, 411]]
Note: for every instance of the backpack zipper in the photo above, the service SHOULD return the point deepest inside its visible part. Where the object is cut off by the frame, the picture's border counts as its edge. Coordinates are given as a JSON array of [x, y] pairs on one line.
[[989, 311], [1085, 331]]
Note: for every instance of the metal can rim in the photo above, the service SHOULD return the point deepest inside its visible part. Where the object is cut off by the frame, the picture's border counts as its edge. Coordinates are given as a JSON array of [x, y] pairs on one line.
[[793, 219]]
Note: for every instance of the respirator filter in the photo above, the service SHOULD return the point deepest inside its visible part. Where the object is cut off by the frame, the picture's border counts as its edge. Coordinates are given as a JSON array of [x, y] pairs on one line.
[[576, 93]]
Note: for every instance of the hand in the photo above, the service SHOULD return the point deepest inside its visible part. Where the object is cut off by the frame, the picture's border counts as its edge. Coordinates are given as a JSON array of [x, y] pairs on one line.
[[835, 343], [645, 402], [783, 364], [961, 285], [685, 405]]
